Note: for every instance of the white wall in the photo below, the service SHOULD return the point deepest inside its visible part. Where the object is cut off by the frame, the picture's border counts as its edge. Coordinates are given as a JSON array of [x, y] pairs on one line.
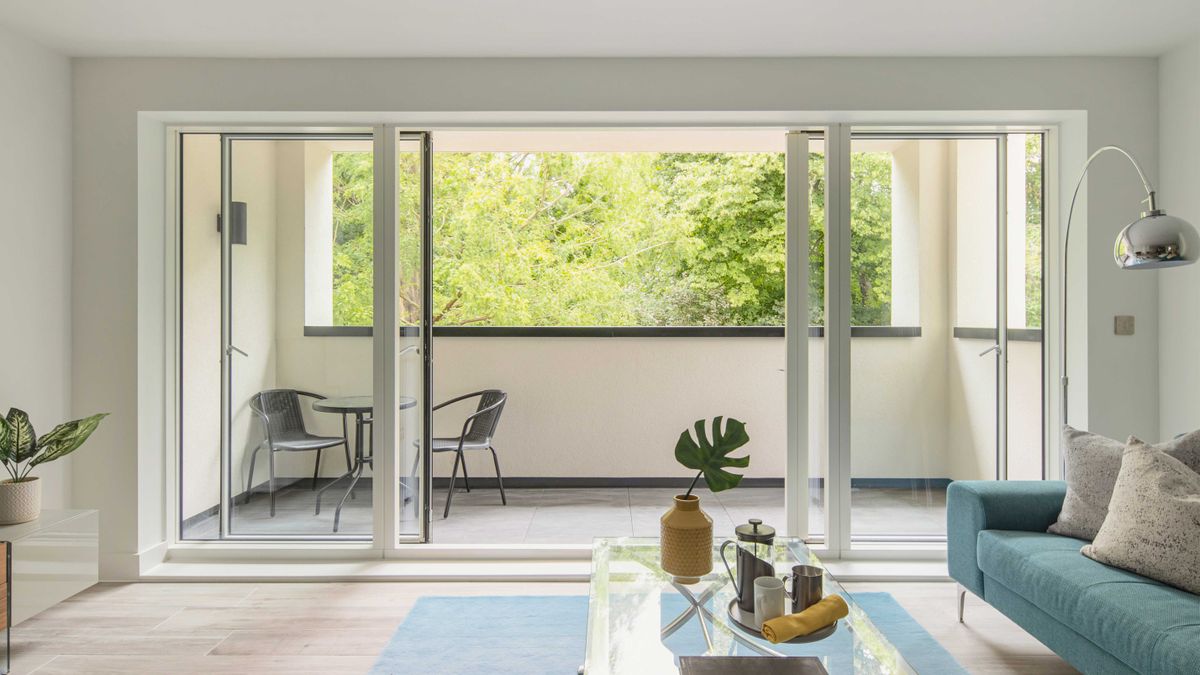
[[35, 250], [1179, 289], [107, 129]]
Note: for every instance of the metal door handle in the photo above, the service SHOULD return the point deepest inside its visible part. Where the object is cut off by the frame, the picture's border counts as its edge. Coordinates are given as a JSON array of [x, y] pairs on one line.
[[231, 349], [989, 350]]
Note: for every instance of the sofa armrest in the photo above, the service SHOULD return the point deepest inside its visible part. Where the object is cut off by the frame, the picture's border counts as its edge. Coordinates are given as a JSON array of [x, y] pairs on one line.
[[975, 505]]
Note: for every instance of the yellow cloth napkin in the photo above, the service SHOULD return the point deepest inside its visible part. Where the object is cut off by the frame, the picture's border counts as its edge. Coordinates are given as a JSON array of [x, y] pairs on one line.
[[784, 628]]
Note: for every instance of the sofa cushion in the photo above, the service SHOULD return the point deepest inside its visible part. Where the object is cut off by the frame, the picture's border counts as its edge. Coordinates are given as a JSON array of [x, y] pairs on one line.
[[1153, 523], [1092, 465], [1145, 624]]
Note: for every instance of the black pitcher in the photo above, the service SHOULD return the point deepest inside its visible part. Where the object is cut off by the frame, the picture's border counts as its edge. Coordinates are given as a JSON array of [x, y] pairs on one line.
[[754, 545]]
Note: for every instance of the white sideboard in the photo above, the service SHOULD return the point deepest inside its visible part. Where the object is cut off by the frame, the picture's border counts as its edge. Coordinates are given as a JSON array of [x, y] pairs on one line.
[[53, 558]]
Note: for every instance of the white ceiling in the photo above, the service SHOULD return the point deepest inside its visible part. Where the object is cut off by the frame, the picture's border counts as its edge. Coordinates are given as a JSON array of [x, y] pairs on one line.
[[494, 28]]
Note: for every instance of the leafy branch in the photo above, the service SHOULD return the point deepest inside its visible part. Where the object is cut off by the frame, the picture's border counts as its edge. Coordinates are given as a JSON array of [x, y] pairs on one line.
[[21, 449]]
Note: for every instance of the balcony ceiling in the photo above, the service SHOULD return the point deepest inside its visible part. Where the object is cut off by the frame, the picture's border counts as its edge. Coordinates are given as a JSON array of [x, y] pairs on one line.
[[604, 28]]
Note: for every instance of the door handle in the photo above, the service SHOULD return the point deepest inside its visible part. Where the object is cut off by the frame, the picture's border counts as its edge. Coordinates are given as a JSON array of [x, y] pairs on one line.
[[989, 350], [231, 349]]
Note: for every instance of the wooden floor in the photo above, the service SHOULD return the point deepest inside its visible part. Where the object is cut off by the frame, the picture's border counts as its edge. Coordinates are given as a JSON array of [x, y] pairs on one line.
[[341, 627]]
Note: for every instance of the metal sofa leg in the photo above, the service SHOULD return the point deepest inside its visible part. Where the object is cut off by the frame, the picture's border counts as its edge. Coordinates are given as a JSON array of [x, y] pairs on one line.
[[962, 599]]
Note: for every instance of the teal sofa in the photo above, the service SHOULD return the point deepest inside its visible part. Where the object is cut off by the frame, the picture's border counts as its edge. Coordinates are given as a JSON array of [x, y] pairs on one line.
[[1100, 619]]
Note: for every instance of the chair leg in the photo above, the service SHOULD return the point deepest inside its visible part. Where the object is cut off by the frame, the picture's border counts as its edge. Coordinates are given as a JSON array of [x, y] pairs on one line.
[[316, 468], [466, 478], [250, 477], [499, 478], [962, 599], [271, 479], [450, 492]]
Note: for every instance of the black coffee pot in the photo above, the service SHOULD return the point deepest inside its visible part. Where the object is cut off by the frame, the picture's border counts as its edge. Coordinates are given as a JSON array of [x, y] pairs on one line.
[[754, 545]]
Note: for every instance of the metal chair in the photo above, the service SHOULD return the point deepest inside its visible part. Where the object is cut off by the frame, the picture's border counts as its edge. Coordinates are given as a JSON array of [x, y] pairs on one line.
[[477, 432], [284, 431]]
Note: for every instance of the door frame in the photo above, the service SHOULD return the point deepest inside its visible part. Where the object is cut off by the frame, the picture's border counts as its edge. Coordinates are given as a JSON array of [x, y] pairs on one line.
[[1065, 133], [837, 541], [385, 529]]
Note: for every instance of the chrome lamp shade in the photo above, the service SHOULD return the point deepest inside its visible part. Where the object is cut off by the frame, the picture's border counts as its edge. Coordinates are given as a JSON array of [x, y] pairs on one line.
[[1156, 240], [1153, 241]]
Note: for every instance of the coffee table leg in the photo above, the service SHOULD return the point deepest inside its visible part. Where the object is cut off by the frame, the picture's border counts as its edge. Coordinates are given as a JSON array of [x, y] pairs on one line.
[[695, 607]]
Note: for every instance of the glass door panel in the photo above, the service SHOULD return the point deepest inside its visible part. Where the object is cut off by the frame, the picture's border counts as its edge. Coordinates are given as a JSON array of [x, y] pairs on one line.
[[818, 436], [412, 227], [923, 277], [297, 223], [199, 465], [1025, 391]]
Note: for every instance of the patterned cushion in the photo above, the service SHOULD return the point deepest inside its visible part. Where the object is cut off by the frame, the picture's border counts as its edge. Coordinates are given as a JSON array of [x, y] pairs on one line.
[[1153, 524], [1093, 463]]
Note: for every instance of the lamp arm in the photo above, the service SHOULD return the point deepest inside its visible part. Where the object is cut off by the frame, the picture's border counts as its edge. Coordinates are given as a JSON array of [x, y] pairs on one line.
[[1151, 198]]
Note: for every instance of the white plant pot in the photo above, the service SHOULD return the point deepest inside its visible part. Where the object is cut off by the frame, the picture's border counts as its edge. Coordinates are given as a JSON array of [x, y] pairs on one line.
[[20, 502]]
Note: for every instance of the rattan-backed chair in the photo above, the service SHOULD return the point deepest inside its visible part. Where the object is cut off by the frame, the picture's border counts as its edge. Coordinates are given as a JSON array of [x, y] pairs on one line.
[[477, 432], [284, 431]]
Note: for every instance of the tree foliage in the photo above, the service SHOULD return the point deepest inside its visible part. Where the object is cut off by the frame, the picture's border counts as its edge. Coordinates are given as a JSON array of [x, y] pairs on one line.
[[607, 239], [1033, 231]]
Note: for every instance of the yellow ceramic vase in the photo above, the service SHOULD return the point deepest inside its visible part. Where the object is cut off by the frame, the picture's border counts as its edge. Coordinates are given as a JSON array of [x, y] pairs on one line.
[[687, 540]]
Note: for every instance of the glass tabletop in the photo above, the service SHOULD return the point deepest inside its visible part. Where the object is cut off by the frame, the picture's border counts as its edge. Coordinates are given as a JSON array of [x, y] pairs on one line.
[[641, 621]]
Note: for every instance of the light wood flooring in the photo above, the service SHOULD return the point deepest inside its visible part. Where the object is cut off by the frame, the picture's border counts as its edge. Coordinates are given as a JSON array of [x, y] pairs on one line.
[[341, 627]]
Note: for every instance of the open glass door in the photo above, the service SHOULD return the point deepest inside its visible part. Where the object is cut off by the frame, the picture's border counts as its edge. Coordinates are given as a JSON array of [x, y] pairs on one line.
[[403, 329], [926, 364], [296, 270]]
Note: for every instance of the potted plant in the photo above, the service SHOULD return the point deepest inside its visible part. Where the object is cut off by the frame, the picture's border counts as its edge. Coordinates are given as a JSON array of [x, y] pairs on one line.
[[687, 534], [21, 449]]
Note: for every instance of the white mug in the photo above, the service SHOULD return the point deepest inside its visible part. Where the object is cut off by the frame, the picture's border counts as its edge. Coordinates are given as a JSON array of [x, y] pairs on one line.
[[768, 600]]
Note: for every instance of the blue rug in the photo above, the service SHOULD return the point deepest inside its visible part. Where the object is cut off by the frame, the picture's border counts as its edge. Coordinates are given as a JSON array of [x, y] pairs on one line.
[[532, 635]]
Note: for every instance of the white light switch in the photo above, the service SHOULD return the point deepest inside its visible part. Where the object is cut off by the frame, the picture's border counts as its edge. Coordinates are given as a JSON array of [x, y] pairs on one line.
[[1122, 325]]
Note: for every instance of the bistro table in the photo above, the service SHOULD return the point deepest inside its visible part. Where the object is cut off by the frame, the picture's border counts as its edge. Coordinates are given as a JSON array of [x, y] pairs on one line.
[[361, 407]]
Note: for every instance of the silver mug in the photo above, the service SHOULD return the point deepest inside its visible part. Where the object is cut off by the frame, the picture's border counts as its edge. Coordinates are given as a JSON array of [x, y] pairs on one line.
[[807, 586]]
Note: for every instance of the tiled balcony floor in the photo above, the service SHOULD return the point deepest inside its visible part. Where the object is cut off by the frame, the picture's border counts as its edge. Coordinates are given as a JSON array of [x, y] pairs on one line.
[[576, 515]]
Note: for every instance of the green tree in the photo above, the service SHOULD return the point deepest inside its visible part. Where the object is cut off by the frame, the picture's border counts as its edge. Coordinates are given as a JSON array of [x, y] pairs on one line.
[[1033, 231], [353, 239], [557, 238]]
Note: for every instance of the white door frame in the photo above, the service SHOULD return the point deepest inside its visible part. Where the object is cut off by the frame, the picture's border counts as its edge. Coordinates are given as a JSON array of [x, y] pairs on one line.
[[159, 131]]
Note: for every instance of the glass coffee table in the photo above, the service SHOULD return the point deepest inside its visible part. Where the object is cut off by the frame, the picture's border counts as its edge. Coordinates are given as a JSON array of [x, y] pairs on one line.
[[640, 621]]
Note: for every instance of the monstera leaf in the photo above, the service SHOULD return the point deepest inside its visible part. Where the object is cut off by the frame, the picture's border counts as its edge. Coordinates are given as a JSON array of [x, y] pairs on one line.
[[711, 458], [65, 439]]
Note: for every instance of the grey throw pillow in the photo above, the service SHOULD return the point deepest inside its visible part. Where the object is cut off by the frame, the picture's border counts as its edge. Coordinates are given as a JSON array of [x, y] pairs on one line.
[[1093, 462], [1153, 524]]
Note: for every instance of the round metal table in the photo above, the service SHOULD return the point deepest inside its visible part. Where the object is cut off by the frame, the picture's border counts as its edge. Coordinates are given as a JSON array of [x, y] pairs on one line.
[[361, 407]]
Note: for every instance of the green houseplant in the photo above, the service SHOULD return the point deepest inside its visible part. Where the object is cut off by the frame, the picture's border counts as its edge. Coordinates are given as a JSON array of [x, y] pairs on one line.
[[21, 449], [686, 530]]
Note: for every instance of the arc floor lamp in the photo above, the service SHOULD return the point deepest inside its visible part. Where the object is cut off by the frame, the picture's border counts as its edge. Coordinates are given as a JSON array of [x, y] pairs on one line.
[[1153, 241]]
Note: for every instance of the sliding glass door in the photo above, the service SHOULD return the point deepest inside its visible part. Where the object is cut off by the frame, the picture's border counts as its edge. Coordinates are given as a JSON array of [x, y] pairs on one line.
[[935, 245], [308, 308], [296, 422]]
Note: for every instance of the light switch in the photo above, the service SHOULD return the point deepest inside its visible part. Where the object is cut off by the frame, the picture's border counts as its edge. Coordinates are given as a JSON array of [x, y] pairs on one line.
[[1123, 325]]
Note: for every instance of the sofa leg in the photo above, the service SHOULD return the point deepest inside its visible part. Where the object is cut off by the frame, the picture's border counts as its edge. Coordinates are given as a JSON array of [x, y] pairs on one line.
[[962, 599]]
